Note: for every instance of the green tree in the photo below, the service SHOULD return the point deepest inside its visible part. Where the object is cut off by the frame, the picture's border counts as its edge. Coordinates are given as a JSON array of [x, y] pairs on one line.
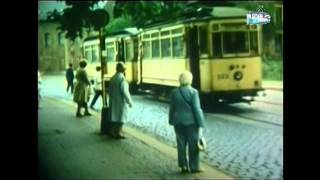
[[81, 15], [118, 24], [268, 30], [53, 15], [143, 12]]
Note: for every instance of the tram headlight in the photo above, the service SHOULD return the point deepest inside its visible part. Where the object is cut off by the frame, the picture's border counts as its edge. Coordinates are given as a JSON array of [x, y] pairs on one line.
[[237, 75], [256, 83], [231, 67]]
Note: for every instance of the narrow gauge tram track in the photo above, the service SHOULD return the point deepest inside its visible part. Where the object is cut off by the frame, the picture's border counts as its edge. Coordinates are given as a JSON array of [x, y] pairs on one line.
[[252, 114], [250, 117]]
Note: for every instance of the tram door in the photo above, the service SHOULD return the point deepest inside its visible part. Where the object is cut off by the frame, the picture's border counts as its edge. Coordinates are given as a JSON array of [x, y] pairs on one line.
[[120, 44], [193, 50]]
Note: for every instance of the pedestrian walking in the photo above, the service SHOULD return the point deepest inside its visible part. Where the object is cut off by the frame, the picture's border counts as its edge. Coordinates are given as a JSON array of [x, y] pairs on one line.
[[82, 89], [70, 78], [186, 115], [97, 87]]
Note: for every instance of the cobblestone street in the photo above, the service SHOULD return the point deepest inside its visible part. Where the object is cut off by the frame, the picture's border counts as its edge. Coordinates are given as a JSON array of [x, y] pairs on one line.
[[236, 146], [240, 149]]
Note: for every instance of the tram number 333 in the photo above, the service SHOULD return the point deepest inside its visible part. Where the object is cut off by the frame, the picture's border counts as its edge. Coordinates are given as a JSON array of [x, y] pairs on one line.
[[223, 76]]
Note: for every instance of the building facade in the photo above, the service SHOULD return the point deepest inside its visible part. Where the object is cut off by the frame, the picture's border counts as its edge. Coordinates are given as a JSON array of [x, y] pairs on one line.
[[51, 47], [55, 52]]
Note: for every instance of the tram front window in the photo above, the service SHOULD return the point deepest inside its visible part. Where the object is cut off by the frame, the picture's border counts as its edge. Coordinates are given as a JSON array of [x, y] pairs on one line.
[[235, 42], [230, 44]]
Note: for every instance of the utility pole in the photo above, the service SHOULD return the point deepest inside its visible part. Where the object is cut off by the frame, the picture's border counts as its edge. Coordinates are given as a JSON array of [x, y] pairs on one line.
[[101, 18], [103, 65]]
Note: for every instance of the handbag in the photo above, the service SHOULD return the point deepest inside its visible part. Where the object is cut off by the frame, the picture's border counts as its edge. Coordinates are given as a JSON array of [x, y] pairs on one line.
[[202, 144]]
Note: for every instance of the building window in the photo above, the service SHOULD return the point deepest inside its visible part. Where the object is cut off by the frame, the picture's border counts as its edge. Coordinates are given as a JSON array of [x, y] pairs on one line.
[[47, 40], [60, 38]]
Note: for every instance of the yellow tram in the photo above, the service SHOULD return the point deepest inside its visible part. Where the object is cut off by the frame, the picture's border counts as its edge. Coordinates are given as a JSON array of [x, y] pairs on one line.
[[219, 48], [221, 51]]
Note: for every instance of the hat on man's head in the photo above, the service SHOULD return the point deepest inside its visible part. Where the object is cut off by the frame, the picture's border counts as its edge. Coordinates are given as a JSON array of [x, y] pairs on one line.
[[120, 67], [83, 63], [202, 144]]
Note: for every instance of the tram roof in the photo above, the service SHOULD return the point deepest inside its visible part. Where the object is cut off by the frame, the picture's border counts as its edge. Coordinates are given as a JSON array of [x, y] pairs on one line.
[[91, 38], [203, 14], [125, 32]]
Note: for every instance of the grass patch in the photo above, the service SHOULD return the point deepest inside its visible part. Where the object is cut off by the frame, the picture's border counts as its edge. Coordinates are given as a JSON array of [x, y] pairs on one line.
[[272, 69]]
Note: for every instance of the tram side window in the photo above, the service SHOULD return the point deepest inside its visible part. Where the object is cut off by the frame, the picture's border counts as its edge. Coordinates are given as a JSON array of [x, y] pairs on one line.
[[165, 47], [110, 51], [235, 42], [94, 54], [155, 48], [177, 45], [135, 49], [155, 45], [216, 43], [88, 55], [203, 36], [254, 43], [129, 51], [146, 49]]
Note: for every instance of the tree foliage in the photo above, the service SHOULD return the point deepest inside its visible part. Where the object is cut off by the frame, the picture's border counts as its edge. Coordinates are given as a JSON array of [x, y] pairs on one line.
[[268, 30], [53, 15], [81, 15], [146, 12], [118, 24], [143, 12]]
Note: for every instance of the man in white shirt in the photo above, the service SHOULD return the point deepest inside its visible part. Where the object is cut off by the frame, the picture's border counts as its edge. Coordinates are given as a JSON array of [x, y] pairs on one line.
[[97, 87]]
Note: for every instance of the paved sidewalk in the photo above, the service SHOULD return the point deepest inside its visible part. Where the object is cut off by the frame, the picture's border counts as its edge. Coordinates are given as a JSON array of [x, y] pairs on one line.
[[273, 85], [72, 148]]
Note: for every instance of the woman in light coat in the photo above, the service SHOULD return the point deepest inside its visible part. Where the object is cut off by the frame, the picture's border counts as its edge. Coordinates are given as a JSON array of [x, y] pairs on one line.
[[186, 116], [81, 90], [119, 102]]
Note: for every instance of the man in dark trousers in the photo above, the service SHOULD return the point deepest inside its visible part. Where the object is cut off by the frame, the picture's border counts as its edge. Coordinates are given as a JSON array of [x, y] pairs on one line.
[[70, 77]]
